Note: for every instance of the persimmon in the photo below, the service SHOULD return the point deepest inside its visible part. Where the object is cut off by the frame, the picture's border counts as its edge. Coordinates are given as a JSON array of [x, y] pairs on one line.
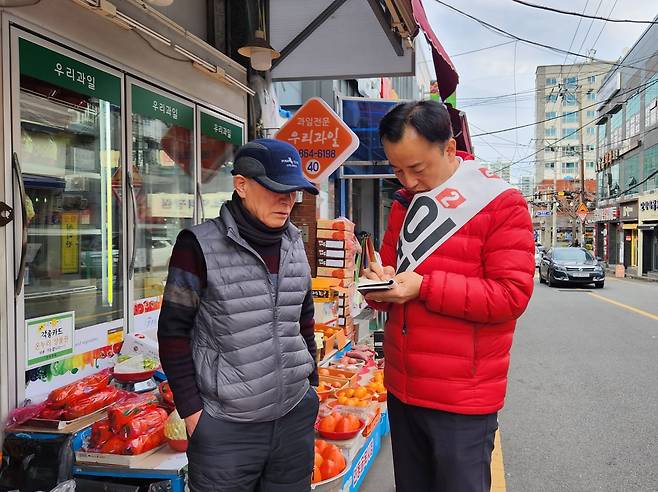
[[332, 454], [330, 469], [328, 423], [317, 475], [321, 445]]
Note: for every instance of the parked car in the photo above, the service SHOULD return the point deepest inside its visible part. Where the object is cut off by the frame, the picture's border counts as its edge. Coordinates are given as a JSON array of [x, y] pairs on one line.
[[571, 265], [539, 253]]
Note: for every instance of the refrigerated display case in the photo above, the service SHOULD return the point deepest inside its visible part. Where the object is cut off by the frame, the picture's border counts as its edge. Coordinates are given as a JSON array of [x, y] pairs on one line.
[[67, 146]]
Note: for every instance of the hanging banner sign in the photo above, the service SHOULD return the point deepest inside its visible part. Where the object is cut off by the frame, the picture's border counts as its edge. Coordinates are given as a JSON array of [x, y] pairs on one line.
[[323, 140], [49, 338], [153, 105], [434, 216], [53, 67]]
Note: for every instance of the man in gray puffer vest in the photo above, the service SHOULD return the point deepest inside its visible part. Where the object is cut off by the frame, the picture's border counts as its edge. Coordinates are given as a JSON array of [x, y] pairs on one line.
[[236, 333]]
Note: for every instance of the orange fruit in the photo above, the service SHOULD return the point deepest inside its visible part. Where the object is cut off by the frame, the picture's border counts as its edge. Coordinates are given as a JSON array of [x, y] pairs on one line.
[[317, 475], [327, 424], [334, 455], [329, 469], [342, 400], [353, 422], [321, 445], [360, 392], [352, 402], [318, 460], [344, 425]]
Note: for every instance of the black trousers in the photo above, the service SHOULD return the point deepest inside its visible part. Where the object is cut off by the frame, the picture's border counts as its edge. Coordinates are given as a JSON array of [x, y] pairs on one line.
[[440, 451], [272, 456]]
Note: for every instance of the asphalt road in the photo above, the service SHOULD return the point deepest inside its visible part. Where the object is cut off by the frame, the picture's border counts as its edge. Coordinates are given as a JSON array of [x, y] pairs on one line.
[[582, 403]]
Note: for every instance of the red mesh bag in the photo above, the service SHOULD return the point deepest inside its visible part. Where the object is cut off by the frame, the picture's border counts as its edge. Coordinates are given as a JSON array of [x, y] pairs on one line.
[[91, 403], [100, 433], [124, 412], [114, 445], [143, 424], [144, 443], [71, 393]]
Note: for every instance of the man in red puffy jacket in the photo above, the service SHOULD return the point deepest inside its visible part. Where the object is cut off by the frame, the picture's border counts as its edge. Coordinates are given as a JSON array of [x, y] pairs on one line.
[[460, 247]]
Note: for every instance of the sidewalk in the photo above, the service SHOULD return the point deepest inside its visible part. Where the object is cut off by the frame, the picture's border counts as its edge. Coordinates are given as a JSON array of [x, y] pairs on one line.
[[610, 272]]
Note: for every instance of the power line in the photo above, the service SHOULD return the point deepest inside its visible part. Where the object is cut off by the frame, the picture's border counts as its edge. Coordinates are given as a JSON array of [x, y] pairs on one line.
[[649, 83], [566, 12], [481, 49], [502, 32], [530, 91]]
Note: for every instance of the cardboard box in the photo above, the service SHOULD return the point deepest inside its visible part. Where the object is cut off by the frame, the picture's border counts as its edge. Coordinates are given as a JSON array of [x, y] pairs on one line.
[[340, 224], [335, 253], [346, 236], [336, 263], [115, 459], [336, 273], [339, 244]]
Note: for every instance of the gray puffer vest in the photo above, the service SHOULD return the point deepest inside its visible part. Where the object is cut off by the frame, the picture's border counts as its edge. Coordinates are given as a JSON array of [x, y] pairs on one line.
[[252, 363]]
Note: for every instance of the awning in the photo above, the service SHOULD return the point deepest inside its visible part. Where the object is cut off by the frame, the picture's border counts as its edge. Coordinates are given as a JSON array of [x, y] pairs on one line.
[[460, 129], [446, 73], [341, 39]]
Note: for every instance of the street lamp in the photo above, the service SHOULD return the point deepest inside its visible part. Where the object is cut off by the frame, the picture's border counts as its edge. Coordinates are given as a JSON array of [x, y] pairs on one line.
[[259, 52]]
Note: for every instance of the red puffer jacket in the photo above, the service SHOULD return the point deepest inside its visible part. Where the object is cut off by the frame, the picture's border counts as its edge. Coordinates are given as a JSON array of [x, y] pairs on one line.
[[450, 348]]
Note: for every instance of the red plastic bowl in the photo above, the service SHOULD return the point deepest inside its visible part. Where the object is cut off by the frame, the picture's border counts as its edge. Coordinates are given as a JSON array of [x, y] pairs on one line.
[[179, 445], [340, 436], [133, 377]]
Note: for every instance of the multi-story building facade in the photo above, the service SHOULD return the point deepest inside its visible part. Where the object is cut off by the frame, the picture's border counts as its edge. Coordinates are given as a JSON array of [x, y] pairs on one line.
[[566, 107], [565, 102], [502, 169], [627, 160]]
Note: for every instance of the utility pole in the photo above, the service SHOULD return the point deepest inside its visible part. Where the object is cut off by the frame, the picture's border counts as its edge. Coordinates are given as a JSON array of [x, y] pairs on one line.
[[581, 223], [554, 210]]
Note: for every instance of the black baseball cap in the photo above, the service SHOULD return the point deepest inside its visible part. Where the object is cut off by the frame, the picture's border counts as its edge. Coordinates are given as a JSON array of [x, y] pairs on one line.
[[273, 164]]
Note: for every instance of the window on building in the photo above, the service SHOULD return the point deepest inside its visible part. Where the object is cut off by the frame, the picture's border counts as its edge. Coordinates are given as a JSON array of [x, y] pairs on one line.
[[630, 174], [551, 81], [551, 98], [651, 102], [612, 184], [570, 133], [589, 164], [568, 150], [590, 147], [591, 96], [570, 117], [616, 129], [650, 166], [550, 115], [591, 115], [633, 116], [591, 79], [549, 165], [568, 169], [570, 81], [591, 131], [550, 131], [569, 100]]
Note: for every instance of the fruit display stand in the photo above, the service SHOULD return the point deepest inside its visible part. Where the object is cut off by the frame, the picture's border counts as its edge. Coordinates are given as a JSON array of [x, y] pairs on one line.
[[360, 452], [163, 465]]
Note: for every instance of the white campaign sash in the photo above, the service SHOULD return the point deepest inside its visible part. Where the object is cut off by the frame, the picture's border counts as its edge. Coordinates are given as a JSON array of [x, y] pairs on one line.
[[434, 216]]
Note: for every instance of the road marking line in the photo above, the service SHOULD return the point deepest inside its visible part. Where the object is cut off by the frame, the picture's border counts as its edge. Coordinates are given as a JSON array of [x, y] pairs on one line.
[[626, 306], [497, 466]]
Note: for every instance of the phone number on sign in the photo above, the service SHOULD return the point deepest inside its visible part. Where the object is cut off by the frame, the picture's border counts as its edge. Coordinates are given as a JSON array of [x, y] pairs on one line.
[[317, 154]]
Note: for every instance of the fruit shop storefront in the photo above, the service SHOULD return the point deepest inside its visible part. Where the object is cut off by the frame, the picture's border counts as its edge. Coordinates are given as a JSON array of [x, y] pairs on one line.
[[117, 126]]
